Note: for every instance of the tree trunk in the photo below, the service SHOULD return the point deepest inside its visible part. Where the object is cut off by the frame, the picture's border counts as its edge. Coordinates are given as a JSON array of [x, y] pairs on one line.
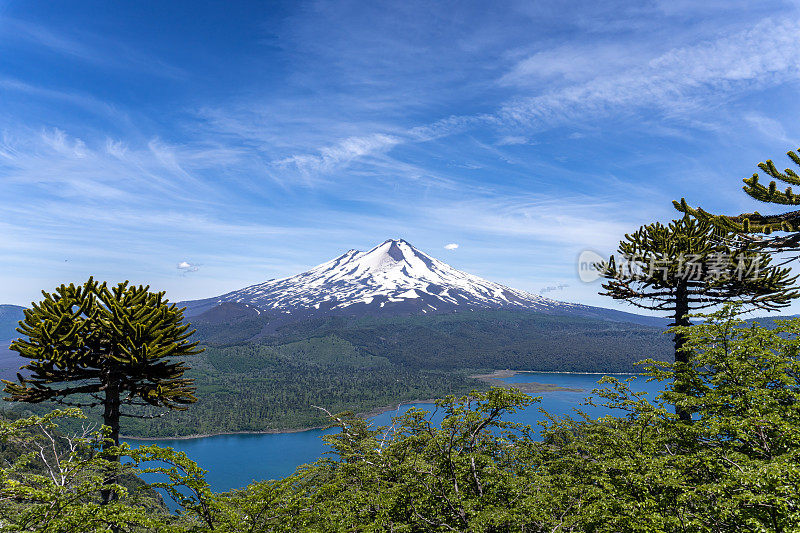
[[681, 355], [111, 419]]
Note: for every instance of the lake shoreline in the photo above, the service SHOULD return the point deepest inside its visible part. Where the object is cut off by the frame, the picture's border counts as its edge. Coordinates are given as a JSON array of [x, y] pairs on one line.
[[368, 414], [575, 373], [224, 433], [494, 378]]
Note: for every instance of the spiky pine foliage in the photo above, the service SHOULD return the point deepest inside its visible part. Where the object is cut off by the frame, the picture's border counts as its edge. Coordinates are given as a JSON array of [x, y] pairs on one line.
[[688, 265], [658, 261], [756, 223], [94, 345]]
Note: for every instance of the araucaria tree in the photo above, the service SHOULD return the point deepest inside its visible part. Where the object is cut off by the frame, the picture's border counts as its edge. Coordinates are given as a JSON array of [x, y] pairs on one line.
[[757, 228], [688, 265], [92, 345]]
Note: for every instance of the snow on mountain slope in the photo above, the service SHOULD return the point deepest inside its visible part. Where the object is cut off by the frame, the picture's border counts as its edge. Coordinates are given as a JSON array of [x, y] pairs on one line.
[[393, 275]]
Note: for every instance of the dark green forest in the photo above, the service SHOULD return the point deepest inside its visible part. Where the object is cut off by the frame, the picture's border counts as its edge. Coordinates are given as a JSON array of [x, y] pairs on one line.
[[484, 339], [359, 365], [272, 382], [493, 339]]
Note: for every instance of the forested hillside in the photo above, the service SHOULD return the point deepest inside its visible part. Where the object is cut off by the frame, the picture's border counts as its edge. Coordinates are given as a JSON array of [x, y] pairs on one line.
[[256, 387], [248, 381], [273, 381], [473, 340]]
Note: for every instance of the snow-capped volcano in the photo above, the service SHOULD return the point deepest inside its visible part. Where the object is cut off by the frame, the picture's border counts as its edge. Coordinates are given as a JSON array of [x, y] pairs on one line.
[[393, 276]]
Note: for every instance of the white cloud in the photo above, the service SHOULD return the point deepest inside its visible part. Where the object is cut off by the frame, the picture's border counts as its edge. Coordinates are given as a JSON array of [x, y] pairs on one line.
[[185, 267], [451, 246], [58, 141], [510, 140], [570, 62], [770, 128], [116, 148], [676, 81], [341, 153]]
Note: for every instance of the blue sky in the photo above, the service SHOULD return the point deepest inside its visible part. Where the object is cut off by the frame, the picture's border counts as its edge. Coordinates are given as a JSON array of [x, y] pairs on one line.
[[203, 147]]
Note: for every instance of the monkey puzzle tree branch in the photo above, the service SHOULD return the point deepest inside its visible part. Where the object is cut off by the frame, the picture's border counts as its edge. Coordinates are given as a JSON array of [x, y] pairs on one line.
[[756, 227]]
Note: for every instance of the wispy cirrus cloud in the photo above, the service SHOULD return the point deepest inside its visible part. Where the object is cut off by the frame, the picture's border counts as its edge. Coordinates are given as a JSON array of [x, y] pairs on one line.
[[594, 82], [331, 157], [570, 221], [677, 81], [85, 102], [572, 63], [85, 47], [64, 166], [512, 140]]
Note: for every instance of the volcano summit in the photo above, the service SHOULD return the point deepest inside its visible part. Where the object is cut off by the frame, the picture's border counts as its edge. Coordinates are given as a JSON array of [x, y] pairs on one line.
[[391, 278]]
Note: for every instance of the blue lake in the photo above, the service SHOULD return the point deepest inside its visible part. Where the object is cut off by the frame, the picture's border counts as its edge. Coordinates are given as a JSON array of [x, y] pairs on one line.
[[233, 461]]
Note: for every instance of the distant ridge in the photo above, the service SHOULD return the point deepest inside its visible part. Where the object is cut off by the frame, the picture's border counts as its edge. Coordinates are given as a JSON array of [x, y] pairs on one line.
[[10, 315]]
